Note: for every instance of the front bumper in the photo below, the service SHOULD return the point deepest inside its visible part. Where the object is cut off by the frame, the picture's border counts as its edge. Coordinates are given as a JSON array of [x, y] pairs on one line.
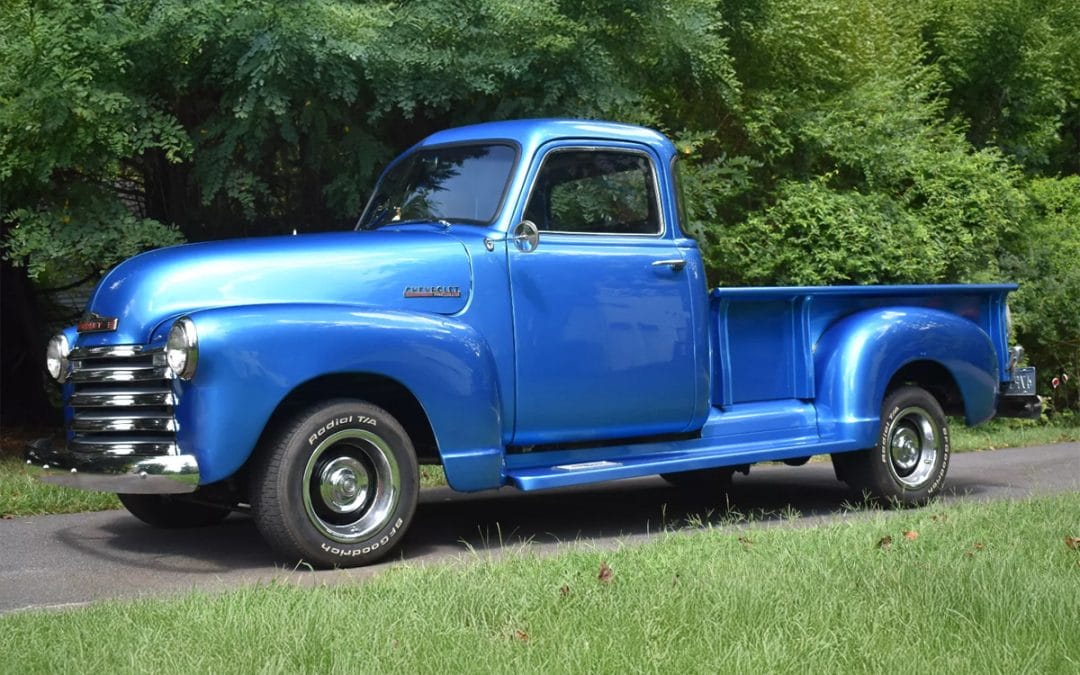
[[127, 474]]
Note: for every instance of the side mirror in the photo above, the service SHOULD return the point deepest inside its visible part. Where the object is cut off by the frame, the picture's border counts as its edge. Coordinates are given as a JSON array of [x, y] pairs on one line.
[[526, 236]]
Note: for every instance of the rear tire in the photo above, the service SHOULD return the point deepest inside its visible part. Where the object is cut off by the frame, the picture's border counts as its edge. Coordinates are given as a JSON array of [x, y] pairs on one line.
[[168, 512], [337, 485], [908, 464]]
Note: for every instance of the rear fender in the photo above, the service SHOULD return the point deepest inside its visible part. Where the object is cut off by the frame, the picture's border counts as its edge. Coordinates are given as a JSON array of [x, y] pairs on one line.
[[252, 357], [857, 357]]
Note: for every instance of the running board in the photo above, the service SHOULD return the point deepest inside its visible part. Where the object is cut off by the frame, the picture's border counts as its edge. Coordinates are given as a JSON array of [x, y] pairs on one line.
[[612, 466]]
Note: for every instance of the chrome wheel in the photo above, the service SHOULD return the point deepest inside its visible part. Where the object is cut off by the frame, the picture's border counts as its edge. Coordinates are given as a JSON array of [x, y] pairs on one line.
[[908, 463], [351, 485], [914, 439]]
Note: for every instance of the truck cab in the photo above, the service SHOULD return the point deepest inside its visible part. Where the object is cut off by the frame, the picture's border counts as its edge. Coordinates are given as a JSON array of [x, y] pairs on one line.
[[519, 303]]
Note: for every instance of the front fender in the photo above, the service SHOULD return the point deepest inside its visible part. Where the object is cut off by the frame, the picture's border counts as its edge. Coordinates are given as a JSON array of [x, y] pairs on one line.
[[252, 357], [857, 357]]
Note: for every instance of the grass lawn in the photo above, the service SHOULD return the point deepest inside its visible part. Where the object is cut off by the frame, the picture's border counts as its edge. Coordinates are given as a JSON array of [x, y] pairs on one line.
[[991, 587], [1013, 433], [21, 495]]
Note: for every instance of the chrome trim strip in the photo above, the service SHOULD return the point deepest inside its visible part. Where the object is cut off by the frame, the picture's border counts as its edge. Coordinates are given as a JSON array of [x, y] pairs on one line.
[[174, 474], [110, 351], [135, 421], [124, 447], [120, 374], [121, 398]]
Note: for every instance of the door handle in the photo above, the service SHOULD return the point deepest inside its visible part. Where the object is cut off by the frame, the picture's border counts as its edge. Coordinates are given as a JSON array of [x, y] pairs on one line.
[[676, 265]]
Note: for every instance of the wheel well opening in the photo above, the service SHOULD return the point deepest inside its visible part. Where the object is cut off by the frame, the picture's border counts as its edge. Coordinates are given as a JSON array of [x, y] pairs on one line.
[[388, 394], [934, 378]]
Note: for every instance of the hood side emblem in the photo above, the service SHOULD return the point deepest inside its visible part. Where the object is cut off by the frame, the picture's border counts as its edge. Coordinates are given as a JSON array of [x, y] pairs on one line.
[[92, 322], [432, 292]]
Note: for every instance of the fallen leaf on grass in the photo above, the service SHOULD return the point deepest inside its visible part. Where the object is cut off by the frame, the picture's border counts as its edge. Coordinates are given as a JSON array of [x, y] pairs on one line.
[[911, 535], [1072, 542], [885, 543], [974, 549], [606, 573], [564, 590], [521, 635]]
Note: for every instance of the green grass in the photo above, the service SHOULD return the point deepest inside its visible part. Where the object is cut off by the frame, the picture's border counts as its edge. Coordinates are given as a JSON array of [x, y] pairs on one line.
[[1012, 433], [23, 495], [977, 587]]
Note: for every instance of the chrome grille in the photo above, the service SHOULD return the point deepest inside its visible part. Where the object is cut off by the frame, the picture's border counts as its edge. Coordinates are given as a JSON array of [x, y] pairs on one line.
[[122, 401]]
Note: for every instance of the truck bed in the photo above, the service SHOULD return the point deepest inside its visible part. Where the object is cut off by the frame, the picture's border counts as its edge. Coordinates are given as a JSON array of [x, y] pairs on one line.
[[764, 338]]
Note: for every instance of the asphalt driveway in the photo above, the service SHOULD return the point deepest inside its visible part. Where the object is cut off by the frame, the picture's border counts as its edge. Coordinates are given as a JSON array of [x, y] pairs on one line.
[[66, 560]]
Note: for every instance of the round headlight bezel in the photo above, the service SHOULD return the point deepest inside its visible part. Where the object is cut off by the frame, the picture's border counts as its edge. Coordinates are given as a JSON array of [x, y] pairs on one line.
[[182, 348], [56, 357]]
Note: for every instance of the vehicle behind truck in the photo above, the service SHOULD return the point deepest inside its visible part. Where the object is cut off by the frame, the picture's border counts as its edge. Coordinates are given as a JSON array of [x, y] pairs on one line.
[[520, 304]]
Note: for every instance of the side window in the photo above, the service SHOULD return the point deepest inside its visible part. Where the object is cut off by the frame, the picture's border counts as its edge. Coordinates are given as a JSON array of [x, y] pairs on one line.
[[595, 191]]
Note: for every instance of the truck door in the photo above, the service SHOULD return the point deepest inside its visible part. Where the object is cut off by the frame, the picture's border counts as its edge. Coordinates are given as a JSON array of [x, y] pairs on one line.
[[603, 325]]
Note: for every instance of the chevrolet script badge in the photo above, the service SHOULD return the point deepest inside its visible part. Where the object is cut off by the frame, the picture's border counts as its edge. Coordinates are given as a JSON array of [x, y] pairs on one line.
[[95, 323], [432, 292]]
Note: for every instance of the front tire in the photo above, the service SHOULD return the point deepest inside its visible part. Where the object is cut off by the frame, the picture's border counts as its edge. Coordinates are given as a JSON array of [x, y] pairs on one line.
[[337, 486], [908, 464], [168, 512]]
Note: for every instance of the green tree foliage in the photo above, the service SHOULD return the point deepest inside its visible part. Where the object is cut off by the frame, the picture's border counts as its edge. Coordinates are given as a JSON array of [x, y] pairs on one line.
[[1012, 70], [823, 141], [70, 126], [1046, 256]]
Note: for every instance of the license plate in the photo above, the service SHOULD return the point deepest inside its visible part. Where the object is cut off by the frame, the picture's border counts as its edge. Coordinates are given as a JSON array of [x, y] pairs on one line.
[[1022, 383]]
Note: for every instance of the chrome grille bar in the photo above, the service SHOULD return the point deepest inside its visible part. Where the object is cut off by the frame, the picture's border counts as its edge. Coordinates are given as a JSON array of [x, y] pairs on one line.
[[122, 402], [121, 374], [120, 398], [130, 421], [139, 445]]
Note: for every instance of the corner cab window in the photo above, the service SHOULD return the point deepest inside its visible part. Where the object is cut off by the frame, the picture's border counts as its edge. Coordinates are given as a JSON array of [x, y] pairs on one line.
[[458, 184], [595, 191]]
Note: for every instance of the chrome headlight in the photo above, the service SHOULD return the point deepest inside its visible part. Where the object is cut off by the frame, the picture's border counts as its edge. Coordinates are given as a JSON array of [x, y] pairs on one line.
[[56, 357], [182, 348]]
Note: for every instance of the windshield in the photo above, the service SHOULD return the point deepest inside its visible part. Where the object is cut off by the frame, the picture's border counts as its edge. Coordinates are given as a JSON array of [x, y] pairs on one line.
[[458, 184]]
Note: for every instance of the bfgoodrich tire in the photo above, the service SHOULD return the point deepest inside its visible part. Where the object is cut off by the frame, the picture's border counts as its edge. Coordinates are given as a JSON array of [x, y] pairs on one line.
[[336, 486], [170, 512], [908, 464]]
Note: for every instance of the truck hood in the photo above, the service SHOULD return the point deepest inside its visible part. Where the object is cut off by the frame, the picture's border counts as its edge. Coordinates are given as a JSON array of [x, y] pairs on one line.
[[418, 271]]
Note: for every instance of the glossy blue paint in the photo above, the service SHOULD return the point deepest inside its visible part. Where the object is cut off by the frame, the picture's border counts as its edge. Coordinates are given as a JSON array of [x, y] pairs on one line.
[[598, 314], [251, 357], [858, 356], [583, 341], [353, 268]]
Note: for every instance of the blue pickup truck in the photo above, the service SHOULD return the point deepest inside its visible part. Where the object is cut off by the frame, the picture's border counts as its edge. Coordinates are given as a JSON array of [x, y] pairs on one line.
[[519, 303]]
